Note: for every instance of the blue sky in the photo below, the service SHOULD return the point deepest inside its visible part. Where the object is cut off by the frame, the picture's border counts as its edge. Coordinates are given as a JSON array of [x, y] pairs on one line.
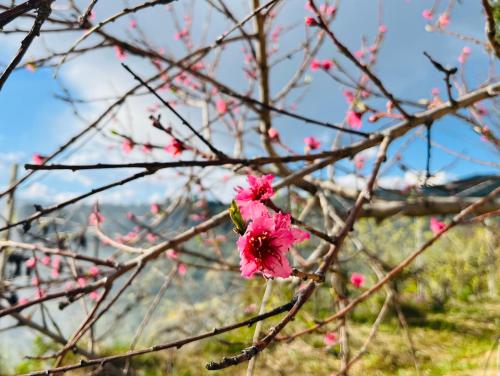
[[33, 120]]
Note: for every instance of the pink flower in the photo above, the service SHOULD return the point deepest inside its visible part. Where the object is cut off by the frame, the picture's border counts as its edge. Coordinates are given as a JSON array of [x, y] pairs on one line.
[[354, 119], [68, 285], [31, 67], [359, 162], [265, 243], [315, 65], [435, 92], [357, 279], [23, 301], [427, 14], [35, 281], [155, 208], [326, 64], [38, 159], [221, 106], [120, 53], [55, 273], [175, 147], [330, 338], [46, 260], [437, 226], [96, 218], [444, 20], [94, 271], [133, 23], [82, 282], [56, 262], [382, 29], [151, 238], [171, 254], [249, 200], [94, 295], [182, 269], [349, 96], [311, 21], [311, 143], [127, 145], [359, 54], [130, 216], [31, 262], [147, 148], [273, 134]]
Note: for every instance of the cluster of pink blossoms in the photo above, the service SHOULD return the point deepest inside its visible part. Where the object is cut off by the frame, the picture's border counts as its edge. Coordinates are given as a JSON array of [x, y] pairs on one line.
[[268, 236]]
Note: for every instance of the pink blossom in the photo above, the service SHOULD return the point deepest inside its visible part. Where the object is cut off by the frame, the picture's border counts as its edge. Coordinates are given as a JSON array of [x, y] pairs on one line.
[[31, 262], [30, 67], [82, 282], [94, 295], [56, 262], [349, 96], [435, 91], [55, 273], [330, 338], [326, 64], [315, 65], [68, 285], [221, 106], [354, 119], [182, 269], [359, 161], [437, 226], [382, 29], [151, 238], [155, 208], [40, 293], [265, 243], [127, 145], [249, 199], [133, 23], [273, 134], [35, 281], [96, 218], [175, 147], [312, 143], [171, 254], [38, 159], [311, 21], [327, 9], [427, 14], [444, 20], [120, 53], [147, 148], [357, 279], [23, 301], [130, 216], [359, 54], [94, 271], [46, 260]]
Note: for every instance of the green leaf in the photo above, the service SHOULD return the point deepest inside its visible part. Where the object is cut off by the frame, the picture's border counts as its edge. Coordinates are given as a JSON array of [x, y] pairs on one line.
[[239, 223]]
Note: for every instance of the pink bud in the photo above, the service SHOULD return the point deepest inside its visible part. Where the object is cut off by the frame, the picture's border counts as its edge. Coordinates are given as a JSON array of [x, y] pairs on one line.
[[94, 271], [311, 21], [357, 279], [427, 14], [155, 208], [31, 262], [182, 269]]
